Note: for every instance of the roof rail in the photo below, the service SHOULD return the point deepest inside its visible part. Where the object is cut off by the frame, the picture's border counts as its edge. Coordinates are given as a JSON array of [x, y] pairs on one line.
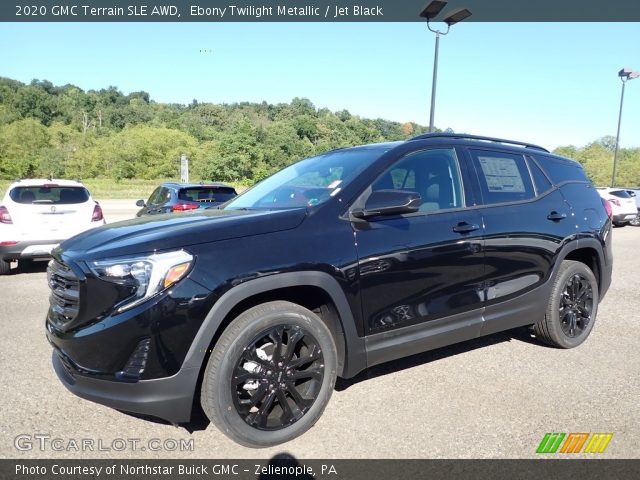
[[478, 137]]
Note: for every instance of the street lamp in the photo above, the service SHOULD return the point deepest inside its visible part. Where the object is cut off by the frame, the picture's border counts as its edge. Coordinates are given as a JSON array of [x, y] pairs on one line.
[[431, 11], [625, 75]]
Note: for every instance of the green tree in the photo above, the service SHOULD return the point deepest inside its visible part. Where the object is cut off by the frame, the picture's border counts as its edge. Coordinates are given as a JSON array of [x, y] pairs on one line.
[[22, 145]]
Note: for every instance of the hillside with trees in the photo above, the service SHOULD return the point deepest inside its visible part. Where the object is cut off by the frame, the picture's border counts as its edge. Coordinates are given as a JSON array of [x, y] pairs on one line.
[[597, 159], [65, 131], [71, 133]]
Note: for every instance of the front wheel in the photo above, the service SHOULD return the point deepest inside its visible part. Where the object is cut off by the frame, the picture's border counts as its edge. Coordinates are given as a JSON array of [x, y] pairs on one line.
[[270, 375], [572, 308], [636, 221]]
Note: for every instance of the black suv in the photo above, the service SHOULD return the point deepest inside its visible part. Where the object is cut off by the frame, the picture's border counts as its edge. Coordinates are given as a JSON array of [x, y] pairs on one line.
[[339, 262], [180, 197]]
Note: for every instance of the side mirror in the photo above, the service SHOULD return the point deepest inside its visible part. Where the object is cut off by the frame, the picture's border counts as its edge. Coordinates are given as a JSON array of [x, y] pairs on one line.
[[389, 202], [632, 193], [140, 203]]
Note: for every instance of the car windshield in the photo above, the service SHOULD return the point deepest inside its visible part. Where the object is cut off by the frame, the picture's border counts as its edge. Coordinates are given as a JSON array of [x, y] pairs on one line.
[[309, 182], [205, 194], [49, 194]]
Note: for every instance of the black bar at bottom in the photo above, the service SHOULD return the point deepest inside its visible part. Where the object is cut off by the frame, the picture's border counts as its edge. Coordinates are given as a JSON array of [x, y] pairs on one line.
[[284, 466]]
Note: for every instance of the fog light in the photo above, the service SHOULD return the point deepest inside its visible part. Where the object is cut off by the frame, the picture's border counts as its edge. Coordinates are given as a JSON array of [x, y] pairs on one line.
[[137, 362]]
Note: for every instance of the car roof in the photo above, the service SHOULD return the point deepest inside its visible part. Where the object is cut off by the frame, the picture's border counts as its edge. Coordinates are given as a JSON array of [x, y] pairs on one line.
[[195, 185], [39, 182], [463, 139]]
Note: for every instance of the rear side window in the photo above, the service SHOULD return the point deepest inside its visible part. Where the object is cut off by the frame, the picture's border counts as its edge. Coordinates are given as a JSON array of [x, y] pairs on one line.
[[620, 193], [540, 180], [561, 170], [207, 194], [504, 177], [49, 194]]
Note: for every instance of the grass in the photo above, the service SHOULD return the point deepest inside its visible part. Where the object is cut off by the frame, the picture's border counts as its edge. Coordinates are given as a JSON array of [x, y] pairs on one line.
[[104, 188]]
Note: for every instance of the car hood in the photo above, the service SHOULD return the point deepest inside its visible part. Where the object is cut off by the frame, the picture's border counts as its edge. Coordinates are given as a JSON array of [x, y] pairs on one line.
[[171, 231]]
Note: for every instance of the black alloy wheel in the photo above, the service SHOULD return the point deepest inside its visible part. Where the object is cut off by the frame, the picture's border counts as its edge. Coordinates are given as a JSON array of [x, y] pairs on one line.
[[576, 305], [278, 377], [270, 374], [572, 306]]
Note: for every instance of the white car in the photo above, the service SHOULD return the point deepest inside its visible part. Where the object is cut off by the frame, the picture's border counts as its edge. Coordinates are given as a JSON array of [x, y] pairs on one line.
[[36, 215], [623, 205]]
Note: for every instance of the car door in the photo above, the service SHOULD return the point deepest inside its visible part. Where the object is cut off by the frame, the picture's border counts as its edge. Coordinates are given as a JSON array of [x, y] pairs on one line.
[[526, 219], [421, 274]]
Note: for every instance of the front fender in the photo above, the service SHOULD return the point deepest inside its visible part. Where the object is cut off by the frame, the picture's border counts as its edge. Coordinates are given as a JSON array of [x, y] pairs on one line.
[[354, 357]]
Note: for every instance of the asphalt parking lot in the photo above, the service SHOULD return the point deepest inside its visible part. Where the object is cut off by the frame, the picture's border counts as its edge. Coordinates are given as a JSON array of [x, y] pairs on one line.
[[494, 397]]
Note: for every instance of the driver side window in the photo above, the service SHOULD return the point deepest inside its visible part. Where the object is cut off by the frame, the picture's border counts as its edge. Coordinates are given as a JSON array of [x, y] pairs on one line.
[[433, 174], [154, 198]]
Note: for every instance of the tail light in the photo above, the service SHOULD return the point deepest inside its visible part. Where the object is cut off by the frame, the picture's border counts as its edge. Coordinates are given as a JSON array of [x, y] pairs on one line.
[[615, 202], [182, 207], [4, 215], [607, 207], [97, 214]]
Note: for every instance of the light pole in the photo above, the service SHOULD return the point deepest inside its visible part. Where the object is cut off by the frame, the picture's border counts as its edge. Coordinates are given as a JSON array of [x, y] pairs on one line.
[[625, 75], [430, 12]]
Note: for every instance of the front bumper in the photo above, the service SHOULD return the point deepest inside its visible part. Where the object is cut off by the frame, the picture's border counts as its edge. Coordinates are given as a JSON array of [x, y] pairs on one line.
[[133, 360], [28, 249], [169, 398]]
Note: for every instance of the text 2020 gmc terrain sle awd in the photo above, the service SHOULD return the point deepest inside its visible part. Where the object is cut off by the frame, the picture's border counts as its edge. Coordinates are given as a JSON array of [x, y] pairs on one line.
[[339, 262]]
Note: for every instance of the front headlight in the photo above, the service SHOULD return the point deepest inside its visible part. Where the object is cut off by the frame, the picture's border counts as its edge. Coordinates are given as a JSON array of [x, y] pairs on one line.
[[146, 275]]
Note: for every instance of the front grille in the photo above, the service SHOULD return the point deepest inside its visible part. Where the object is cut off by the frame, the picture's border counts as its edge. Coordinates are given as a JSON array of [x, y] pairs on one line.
[[65, 292]]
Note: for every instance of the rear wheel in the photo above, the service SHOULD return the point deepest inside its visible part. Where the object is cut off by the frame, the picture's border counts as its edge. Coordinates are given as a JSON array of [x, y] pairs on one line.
[[5, 267], [270, 375], [25, 263], [572, 308], [636, 221]]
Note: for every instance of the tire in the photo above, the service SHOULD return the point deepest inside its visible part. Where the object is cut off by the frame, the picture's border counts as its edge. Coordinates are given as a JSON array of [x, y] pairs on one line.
[[636, 221], [25, 264], [252, 411], [5, 267], [573, 303]]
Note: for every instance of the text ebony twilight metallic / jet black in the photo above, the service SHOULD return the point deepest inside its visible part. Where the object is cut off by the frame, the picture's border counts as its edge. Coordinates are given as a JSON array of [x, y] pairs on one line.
[[339, 262]]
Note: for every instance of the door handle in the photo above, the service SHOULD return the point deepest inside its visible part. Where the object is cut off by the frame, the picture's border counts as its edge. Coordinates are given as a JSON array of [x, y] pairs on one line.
[[556, 217], [464, 227]]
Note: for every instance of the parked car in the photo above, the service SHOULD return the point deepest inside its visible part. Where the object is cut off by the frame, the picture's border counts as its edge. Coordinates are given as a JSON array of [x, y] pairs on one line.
[[181, 197], [635, 193], [623, 204], [337, 263], [36, 215]]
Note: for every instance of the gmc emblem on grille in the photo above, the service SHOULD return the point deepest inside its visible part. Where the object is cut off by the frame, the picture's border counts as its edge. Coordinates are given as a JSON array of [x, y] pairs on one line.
[[53, 209]]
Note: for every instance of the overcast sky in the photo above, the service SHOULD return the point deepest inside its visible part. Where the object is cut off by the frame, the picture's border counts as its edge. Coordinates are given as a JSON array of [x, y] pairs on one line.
[[552, 84]]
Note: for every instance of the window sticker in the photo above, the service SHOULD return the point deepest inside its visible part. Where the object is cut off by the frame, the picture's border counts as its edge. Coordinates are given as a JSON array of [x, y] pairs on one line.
[[502, 174]]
